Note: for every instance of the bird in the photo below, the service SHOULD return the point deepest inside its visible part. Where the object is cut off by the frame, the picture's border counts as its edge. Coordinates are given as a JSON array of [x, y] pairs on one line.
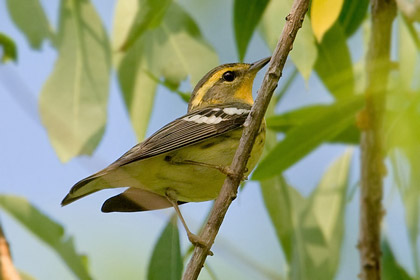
[[188, 159]]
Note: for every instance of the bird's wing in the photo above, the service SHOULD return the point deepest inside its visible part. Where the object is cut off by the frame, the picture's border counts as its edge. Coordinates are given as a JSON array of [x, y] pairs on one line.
[[187, 130], [192, 128]]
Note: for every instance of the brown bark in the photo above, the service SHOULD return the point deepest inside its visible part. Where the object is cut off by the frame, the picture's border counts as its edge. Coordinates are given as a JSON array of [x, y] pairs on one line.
[[371, 122], [230, 187], [7, 269]]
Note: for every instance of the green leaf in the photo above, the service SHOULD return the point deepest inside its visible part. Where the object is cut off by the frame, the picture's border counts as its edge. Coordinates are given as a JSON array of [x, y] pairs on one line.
[[173, 51], [408, 54], [327, 205], [47, 230], [30, 18], [334, 66], [25, 276], [405, 164], [310, 230], [8, 48], [283, 204], [391, 269], [246, 15], [149, 15], [277, 199], [74, 99], [304, 138], [289, 120], [352, 15], [304, 52], [324, 13], [166, 260]]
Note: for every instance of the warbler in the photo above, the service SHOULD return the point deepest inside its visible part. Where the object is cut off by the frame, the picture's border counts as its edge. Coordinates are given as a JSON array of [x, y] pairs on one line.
[[187, 160]]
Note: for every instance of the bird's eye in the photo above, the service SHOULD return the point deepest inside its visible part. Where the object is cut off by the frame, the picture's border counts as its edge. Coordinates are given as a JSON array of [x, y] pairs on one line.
[[229, 76]]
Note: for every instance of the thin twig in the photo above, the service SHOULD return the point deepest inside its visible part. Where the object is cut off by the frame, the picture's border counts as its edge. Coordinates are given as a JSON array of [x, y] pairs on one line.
[[371, 123], [7, 269], [230, 187]]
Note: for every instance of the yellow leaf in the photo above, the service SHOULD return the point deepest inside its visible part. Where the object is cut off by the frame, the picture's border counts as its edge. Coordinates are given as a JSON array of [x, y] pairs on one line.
[[323, 15]]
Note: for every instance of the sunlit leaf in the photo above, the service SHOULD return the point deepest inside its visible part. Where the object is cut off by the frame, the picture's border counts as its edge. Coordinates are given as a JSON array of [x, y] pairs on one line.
[[334, 66], [25, 276], [246, 15], [47, 230], [74, 99], [8, 49], [391, 269], [405, 163], [408, 55], [327, 205], [171, 51], [276, 195], [352, 15], [310, 230], [302, 139], [30, 18], [149, 15], [324, 13], [304, 52], [166, 260], [289, 120]]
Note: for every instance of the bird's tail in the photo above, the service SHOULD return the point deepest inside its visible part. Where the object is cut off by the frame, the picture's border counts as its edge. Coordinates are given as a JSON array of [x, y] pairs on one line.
[[81, 189]]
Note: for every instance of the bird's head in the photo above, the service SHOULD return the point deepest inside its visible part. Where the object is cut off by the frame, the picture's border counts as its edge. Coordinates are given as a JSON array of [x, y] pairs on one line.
[[225, 84]]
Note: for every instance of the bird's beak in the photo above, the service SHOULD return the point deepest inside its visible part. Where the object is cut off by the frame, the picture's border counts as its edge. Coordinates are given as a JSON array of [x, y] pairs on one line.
[[257, 65]]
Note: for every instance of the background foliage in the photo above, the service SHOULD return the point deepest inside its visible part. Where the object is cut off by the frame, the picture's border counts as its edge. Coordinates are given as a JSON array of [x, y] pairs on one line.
[[87, 71]]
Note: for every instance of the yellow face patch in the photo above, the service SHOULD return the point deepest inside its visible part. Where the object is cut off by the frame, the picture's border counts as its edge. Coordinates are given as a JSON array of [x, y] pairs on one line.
[[207, 85], [245, 91]]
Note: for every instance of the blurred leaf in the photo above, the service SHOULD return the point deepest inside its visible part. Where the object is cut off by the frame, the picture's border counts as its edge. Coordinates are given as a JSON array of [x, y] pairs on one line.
[[173, 51], [405, 166], [166, 260], [310, 230], [73, 102], [246, 15], [402, 119], [283, 203], [352, 15], [30, 18], [289, 120], [275, 192], [334, 66], [327, 205], [149, 15], [391, 269], [324, 13], [408, 55], [302, 139], [304, 53], [185, 96], [8, 48], [25, 276], [47, 230]]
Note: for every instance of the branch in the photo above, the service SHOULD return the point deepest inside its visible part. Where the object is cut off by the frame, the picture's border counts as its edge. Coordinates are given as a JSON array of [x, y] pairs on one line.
[[230, 187], [372, 155], [7, 269]]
